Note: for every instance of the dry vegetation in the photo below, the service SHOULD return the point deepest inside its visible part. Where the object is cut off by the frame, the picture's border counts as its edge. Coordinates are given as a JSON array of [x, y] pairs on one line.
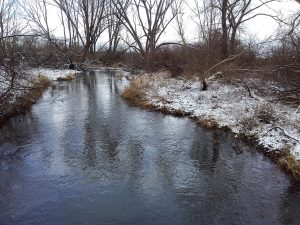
[[210, 123], [67, 78], [135, 94], [23, 100], [288, 163]]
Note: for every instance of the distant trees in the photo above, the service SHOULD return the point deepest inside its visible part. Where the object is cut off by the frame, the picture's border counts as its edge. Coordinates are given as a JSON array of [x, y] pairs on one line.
[[227, 16], [114, 27], [241, 11], [146, 21], [87, 26], [9, 24], [87, 19]]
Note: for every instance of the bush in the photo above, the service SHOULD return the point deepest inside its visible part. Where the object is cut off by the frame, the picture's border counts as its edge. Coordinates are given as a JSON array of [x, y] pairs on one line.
[[208, 122], [265, 113], [135, 92], [248, 124], [288, 162]]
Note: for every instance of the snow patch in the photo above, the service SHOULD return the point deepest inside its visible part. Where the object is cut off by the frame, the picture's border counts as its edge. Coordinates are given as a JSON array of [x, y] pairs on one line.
[[229, 105], [52, 74]]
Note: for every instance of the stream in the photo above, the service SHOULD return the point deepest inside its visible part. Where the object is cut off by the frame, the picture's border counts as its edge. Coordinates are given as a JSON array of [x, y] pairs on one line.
[[82, 155]]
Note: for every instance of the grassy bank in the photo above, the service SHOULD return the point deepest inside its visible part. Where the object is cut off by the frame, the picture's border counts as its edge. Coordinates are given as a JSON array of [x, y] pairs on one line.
[[15, 104], [255, 120]]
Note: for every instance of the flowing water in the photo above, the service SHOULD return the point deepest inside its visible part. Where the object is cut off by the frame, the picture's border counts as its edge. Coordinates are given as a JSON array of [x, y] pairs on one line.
[[83, 156]]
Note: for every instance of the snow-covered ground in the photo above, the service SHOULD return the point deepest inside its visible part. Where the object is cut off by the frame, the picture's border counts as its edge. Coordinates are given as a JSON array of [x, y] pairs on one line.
[[231, 106], [22, 84], [52, 74]]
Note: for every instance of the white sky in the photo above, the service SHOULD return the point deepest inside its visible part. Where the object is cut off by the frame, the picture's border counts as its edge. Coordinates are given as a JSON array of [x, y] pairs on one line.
[[263, 27], [259, 28]]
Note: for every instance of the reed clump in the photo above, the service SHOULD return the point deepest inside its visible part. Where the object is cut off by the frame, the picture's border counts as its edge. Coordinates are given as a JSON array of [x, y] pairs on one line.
[[135, 93]]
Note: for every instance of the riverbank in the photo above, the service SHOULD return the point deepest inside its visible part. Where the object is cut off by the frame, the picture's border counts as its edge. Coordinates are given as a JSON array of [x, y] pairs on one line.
[[272, 126], [54, 74], [33, 84]]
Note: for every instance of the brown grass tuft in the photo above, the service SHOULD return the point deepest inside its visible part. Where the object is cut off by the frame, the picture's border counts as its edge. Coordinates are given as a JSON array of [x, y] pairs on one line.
[[160, 98], [289, 163], [30, 97], [248, 124], [169, 111], [69, 77], [208, 123], [41, 81], [265, 113], [135, 92]]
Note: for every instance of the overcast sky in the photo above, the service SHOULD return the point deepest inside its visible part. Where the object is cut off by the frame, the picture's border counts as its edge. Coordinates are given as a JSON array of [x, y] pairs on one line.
[[259, 28]]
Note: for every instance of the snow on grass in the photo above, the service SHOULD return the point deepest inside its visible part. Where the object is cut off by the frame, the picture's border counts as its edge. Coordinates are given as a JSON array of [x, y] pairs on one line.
[[24, 81], [53, 74], [275, 125]]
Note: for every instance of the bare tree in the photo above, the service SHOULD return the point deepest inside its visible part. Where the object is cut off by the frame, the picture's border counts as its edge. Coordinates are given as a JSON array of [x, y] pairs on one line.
[[10, 57], [8, 21], [224, 11], [87, 19], [241, 11], [114, 26], [180, 25], [36, 12], [146, 21]]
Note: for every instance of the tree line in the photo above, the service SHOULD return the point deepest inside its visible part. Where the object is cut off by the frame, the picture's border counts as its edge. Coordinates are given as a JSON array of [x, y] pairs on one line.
[[136, 25], [53, 32]]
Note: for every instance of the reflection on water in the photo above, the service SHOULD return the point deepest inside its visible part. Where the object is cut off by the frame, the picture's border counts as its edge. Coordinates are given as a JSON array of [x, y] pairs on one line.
[[83, 156]]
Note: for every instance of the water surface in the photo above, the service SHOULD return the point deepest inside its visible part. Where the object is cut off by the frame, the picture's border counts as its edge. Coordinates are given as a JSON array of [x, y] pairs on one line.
[[83, 156]]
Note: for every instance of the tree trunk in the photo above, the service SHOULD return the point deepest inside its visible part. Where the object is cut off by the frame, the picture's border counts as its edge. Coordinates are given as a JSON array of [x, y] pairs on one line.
[[232, 41], [224, 30]]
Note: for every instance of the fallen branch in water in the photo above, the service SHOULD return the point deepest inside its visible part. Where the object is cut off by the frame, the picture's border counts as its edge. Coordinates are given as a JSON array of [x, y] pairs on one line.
[[56, 98]]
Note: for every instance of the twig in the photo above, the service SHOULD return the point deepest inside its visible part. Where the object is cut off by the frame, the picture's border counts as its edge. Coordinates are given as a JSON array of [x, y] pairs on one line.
[[56, 98], [249, 91], [238, 150], [284, 132]]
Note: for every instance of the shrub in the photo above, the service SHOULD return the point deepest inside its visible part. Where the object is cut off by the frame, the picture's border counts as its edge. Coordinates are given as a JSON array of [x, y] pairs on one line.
[[288, 162], [208, 122], [265, 113], [248, 124], [42, 81], [135, 92], [69, 77]]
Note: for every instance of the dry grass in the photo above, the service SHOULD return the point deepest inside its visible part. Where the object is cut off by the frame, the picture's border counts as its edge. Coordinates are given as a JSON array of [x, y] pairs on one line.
[[289, 163], [41, 81], [134, 94], [248, 124], [160, 98], [265, 113], [208, 123], [169, 111], [69, 77], [29, 97]]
